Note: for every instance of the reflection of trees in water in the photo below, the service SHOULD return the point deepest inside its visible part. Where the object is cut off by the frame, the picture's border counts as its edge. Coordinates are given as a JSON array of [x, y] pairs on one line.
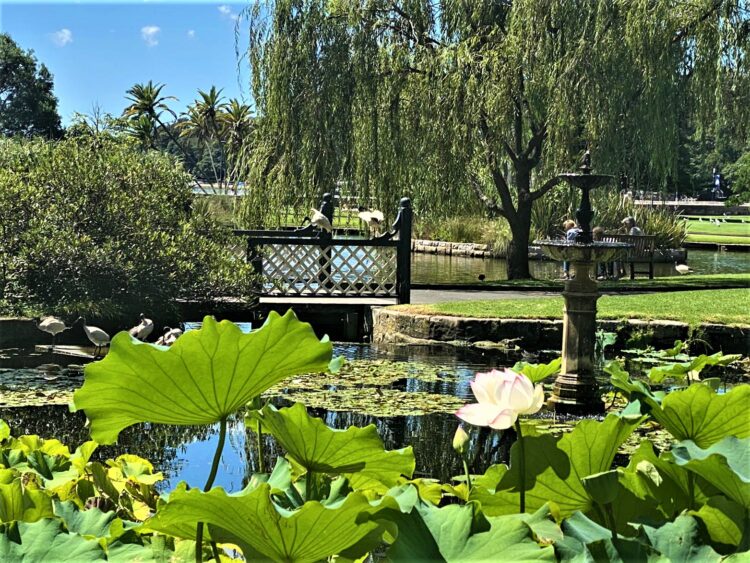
[[165, 446], [158, 443]]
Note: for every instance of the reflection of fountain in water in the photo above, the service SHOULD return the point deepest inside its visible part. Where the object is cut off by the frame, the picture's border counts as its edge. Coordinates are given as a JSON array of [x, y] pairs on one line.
[[576, 390]]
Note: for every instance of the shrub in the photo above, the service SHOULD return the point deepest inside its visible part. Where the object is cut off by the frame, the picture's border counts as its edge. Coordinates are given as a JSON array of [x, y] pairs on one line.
[[92, 225]]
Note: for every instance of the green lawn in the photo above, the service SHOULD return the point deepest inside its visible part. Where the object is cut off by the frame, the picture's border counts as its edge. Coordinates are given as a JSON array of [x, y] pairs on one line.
[[717, 239], [723, 229], [690, 281], [728, 306]]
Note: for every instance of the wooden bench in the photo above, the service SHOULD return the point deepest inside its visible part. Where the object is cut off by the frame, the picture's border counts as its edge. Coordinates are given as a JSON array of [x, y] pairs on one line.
[[642, 252]]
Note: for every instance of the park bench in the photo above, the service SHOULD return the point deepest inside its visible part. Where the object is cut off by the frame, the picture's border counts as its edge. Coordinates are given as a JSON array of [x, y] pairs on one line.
[[641, 252]]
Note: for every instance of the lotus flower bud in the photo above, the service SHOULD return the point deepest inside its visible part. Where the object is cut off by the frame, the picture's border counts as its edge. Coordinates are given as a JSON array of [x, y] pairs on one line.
[[460, 440]]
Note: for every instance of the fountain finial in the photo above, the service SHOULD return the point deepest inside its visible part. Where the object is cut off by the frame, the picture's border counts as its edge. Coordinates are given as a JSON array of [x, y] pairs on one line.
[[586, 162]]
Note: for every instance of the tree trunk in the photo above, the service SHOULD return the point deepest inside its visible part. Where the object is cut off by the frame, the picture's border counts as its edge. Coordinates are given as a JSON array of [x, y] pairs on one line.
[[520, 225]]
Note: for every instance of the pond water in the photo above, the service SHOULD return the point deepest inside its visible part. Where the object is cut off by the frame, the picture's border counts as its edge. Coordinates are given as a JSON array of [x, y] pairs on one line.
[[438, 268], [412, 381]]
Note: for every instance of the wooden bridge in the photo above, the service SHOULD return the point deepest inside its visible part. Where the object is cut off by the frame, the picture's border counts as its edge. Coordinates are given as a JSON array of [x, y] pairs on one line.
[[308, 266]]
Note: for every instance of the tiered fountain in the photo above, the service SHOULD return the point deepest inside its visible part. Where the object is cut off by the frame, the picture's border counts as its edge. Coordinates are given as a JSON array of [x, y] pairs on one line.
[[576, 390]]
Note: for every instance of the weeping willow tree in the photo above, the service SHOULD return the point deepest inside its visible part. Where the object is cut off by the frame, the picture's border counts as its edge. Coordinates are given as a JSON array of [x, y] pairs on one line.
[[478, 104]]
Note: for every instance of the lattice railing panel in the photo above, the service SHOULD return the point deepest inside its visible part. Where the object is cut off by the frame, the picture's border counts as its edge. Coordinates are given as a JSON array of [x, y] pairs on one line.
[[345, 270]]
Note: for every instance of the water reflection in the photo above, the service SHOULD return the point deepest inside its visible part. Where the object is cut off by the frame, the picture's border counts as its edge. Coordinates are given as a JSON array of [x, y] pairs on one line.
[[438, 268]]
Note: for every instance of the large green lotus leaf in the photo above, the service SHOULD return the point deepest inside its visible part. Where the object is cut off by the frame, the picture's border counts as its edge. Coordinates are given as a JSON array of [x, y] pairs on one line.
[[250, 520], [538, 372], [700, 414], [681, 541], [460, 533], [44, 541], [724, 520], [355, 452], [726, 465], [205, 376], [4, 430], [555, 466], [23, 504]]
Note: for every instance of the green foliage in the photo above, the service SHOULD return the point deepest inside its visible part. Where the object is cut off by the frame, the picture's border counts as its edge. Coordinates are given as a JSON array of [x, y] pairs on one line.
[[204, 377], [28, 105], [90, 225], [538, 372], [356, 453], [739, 175]]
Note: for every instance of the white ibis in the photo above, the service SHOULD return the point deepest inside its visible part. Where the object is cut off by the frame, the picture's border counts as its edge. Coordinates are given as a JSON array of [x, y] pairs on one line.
[[142, 330], [321, 221], [373, 219], [683, 268], [52, 325], [96, 336], [169, 337]]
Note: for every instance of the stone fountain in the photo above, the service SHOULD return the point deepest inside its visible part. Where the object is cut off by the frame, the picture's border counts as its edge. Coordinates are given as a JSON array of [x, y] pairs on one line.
[[576, 390]]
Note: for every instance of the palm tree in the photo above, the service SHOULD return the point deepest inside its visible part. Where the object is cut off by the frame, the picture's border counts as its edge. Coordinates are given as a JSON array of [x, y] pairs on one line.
[[146, 100], [143, 128], [202, 122]]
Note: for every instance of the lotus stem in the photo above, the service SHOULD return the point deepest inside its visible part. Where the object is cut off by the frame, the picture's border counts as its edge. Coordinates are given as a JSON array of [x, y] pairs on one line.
[[691, 490], [259, 446], [466, 471], [206, 488], [521, 467]]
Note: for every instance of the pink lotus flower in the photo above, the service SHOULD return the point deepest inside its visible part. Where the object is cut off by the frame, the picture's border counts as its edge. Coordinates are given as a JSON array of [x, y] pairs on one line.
[[503, 396]]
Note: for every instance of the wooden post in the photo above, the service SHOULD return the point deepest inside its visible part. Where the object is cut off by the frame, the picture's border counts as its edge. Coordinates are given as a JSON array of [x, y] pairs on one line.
[[327, 209], [403, 252]]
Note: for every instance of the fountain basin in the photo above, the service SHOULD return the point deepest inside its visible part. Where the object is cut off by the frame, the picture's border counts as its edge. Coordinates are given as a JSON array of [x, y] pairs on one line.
[[569, 251]]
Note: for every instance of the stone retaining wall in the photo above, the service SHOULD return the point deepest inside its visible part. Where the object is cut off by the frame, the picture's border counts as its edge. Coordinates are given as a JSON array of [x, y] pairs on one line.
[[393, 326]]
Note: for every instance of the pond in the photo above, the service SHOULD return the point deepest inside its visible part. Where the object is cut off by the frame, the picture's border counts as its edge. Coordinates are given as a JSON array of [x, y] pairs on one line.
[[439, 268], [390, 389]]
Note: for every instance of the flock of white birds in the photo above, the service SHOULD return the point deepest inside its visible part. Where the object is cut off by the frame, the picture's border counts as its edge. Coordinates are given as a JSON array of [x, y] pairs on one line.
[[99, 338]]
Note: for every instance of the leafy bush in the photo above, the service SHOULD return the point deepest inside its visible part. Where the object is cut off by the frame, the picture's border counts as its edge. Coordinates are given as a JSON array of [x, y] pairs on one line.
[[92, 225]]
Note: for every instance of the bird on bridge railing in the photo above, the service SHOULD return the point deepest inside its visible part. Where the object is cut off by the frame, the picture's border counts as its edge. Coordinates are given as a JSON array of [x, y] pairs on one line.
[[373, 219], [143, 329], [320, 221], [682, 268], [53, 326]]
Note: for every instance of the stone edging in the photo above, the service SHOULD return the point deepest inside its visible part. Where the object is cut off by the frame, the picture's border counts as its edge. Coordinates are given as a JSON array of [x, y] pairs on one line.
[[393, 326], [474, 250]]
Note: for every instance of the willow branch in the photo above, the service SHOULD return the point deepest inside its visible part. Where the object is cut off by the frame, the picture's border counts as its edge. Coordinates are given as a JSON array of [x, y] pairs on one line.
[[547, 186]]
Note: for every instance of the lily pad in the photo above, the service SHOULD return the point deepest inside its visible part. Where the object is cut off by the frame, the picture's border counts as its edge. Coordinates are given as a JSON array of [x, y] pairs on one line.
[[205, 376]]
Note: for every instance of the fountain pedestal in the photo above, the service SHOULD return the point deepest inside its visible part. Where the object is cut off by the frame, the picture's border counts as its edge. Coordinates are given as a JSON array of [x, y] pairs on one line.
[[576, 390]]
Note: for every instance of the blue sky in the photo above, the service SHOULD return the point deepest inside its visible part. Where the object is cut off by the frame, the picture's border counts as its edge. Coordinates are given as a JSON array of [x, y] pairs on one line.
[[96, 50]]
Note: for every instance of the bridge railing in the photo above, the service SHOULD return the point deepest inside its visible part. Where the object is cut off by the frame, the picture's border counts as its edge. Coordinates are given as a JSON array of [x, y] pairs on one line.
[[308, 262]]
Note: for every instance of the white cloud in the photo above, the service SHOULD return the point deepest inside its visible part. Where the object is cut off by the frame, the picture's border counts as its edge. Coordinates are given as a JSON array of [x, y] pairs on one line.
[[191, 34], [62, 37], [227, 12], [150, 34]]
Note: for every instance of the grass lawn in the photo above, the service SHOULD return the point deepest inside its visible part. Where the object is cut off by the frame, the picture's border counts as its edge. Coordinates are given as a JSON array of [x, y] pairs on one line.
[[722, 229], [718, 239], [690, 281], [728, 306]]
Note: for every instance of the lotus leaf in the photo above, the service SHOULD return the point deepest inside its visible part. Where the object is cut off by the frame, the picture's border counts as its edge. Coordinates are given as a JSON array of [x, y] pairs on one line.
[[587, 541], [45, 540], [355, 452], [692, 369], [252, 521], [700, 414], [724, 520], [538, 372], [204, 377], [91, 523], [681, 541], [726, 465], [460, 533], [23, 504], [556, 465]]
